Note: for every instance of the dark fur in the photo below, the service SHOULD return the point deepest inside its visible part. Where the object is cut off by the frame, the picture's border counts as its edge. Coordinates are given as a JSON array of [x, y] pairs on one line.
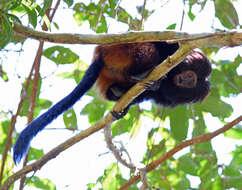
[[116, 68], [170, 94]]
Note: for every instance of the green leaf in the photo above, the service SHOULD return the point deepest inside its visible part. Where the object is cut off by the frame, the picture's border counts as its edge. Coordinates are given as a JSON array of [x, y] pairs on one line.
[[190, 14], [6, 30], [90, 186], [112, 178], [40, 105], [3, 74], [56, 25], [32, 15], [109, 181], [199, 125], [118, 13], [8, 168], [69, 2], [226, 78], [179, 122], [183, 184], [208, 172], [155, 150], [203, 148], [237, 158], [158, 177], [46, 20], [233, 182], [127, 123], [93, 14], [14, 18], [187, 164], [37, 182], [123, 16], [46, 5], [4, 131], [95, 110], [171, 27], [13, 4], [235, 132], [214, 105], [60, 55], [217, 183], [102, 26], [35, 154], [231, 171], [226, 13], [70, 119]]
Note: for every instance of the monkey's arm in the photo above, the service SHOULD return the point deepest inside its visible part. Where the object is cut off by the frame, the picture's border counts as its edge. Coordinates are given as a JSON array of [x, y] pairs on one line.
[[22, 144]]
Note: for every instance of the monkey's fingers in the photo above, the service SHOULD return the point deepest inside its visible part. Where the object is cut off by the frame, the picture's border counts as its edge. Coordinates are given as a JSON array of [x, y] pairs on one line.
[[152, 85]]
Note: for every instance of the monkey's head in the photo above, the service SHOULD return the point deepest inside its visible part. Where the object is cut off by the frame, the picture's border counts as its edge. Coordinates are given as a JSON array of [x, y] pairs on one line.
[[188, 82]]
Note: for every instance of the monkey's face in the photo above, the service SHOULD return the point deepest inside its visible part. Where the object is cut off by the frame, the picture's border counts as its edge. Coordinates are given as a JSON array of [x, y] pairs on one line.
[[188, 82], [186, 79], [181, 89]]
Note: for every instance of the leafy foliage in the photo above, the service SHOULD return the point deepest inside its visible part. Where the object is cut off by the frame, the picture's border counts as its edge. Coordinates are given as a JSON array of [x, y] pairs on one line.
[[41, 183], [168, 127]]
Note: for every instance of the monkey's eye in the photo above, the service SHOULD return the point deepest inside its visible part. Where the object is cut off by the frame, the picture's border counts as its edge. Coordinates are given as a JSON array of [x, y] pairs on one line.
[[186, 79]]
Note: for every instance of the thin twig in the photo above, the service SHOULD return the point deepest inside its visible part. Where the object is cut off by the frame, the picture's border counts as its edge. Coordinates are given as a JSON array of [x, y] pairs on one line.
[[33, 99], [112, 147], [143, 15], [183, 14], [37, 62], [13, 121]]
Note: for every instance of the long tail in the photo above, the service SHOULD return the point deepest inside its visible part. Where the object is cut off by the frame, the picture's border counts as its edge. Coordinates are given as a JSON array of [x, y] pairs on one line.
[[22, 144]]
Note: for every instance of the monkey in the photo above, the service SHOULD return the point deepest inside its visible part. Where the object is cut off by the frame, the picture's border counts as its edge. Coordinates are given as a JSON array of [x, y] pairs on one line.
[[190, 76], [188, 82], [116, 68]]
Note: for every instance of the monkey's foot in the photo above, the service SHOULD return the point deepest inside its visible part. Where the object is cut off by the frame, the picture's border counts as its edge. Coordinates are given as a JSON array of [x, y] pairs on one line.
[[121, 114]]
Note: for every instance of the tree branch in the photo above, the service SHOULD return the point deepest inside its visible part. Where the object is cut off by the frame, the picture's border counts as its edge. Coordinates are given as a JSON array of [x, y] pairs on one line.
[[115, 151], [219, 39], [200, 139]]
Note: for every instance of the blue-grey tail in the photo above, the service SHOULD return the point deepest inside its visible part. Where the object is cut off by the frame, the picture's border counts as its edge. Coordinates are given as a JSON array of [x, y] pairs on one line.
[[22, 144]]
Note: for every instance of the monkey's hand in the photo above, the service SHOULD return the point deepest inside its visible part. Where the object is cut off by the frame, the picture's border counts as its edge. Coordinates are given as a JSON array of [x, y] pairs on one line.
[[152, 85]]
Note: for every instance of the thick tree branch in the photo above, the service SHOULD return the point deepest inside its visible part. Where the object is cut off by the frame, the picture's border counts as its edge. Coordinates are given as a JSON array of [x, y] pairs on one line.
[[200, 139], [219, 39]]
